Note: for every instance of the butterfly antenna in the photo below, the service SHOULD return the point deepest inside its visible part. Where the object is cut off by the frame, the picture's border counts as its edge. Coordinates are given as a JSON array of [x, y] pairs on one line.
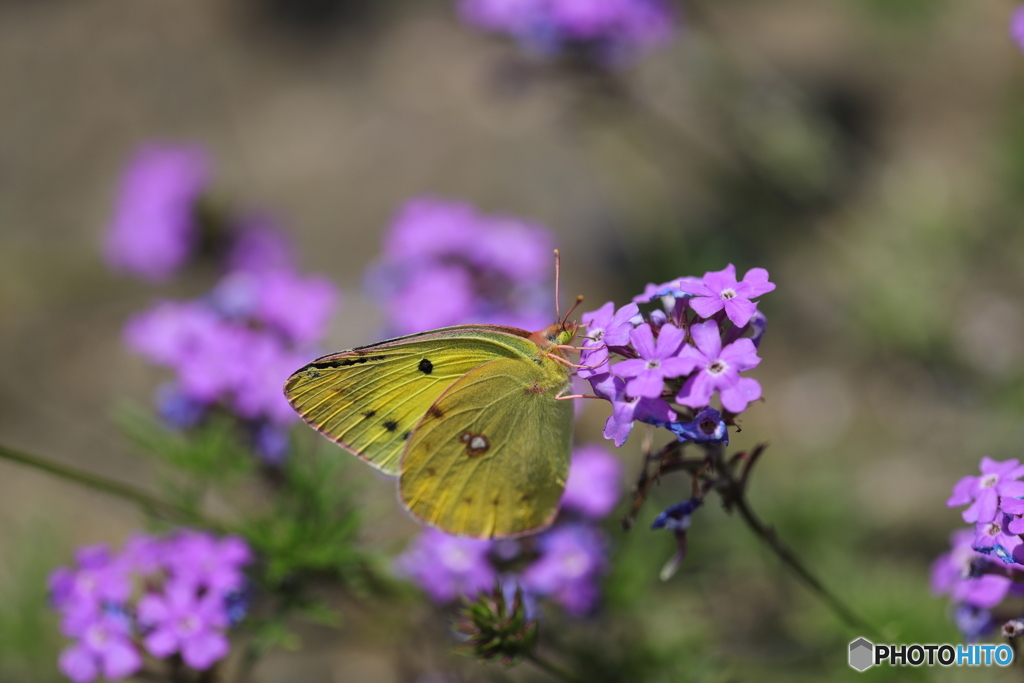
[[558, 273], [579, 300]]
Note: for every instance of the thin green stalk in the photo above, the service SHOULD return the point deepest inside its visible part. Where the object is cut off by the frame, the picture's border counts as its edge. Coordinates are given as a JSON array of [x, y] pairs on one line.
[[767, 534], [99, 483], [553, 669]]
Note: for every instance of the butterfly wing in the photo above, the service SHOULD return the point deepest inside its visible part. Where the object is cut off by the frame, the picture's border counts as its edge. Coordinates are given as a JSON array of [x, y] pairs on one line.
[[490, 457], [369, 399]]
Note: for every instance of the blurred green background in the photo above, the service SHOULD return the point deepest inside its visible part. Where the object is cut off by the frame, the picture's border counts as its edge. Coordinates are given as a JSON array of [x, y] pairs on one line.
[[869, 153]]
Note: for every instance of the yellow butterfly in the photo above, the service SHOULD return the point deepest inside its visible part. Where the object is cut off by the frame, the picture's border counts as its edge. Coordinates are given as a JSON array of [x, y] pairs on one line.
[[467, 416]]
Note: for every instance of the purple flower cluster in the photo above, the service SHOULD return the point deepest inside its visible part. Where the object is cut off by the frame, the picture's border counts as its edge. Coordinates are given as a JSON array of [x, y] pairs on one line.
[[673, 360], [174, 595], [614, 29], [154, 228], [444, 264], [233, 348], [564, 563], [995, 501]]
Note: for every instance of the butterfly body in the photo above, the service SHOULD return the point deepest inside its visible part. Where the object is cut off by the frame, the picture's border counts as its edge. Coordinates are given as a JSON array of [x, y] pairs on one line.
[[467, 416]]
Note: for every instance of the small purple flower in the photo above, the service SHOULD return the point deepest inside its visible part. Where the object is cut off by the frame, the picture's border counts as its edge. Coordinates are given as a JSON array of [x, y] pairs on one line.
[[718, 369], [259, 245], [104, 648], [719, 289], [433, 297], [951, 574], [626, 410], [177, 408], [973, 623], [179, 620], [616, 28], [605, 327], [995, 538], [1017, 26], [444, 264], [594, 483], [203, 561], [152, 232], [272, 443], [447, 567], [672, 288], [983, 493], [572, 561], [677, 517], [658, 360], [707, 426]]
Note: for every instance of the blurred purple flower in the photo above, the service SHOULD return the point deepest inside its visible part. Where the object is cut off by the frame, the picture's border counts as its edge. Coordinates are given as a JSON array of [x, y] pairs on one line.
[[237, 347], [259, 245], [719, 289], [446, 264], [718, 369], [658, 360], [190, 578], [618, 28], [447, 567], [973, 623], [594, 484], [983, 493], [153, 230], [1017, 26], [177, 408], [207, 563], [572, 560], [951, 575], [104, 647], [181, 621]]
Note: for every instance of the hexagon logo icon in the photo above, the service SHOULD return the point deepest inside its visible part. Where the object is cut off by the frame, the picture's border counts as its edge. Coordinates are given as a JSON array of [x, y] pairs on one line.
[[862, 653]]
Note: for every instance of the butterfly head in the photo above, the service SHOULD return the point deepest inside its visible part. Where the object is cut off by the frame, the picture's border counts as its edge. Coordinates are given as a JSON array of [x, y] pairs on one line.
[[552, 336]]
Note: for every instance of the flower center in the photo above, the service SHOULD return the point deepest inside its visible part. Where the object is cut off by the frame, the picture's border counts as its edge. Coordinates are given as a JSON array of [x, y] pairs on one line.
[[708, 426], [729, 293], [988, 481], [575, 564], [188, 625], [717, 367], [653, 364], [597, 334], [992, 528], [457, 559]]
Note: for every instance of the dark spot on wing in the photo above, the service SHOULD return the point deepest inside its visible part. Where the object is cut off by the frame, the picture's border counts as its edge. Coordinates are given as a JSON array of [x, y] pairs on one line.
[[468, 500], [343, 362], [525, 497], [435, 412], [495, 501], [391, 425], [538, 361], [426, 367], [313, 374], [430, 471], [369, 413], [535, 388], [476, 444], [405, 437]]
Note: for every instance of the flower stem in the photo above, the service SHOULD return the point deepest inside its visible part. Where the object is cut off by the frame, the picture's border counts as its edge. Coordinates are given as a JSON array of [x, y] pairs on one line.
[[553, 669], [96, 482], [767, 534]]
